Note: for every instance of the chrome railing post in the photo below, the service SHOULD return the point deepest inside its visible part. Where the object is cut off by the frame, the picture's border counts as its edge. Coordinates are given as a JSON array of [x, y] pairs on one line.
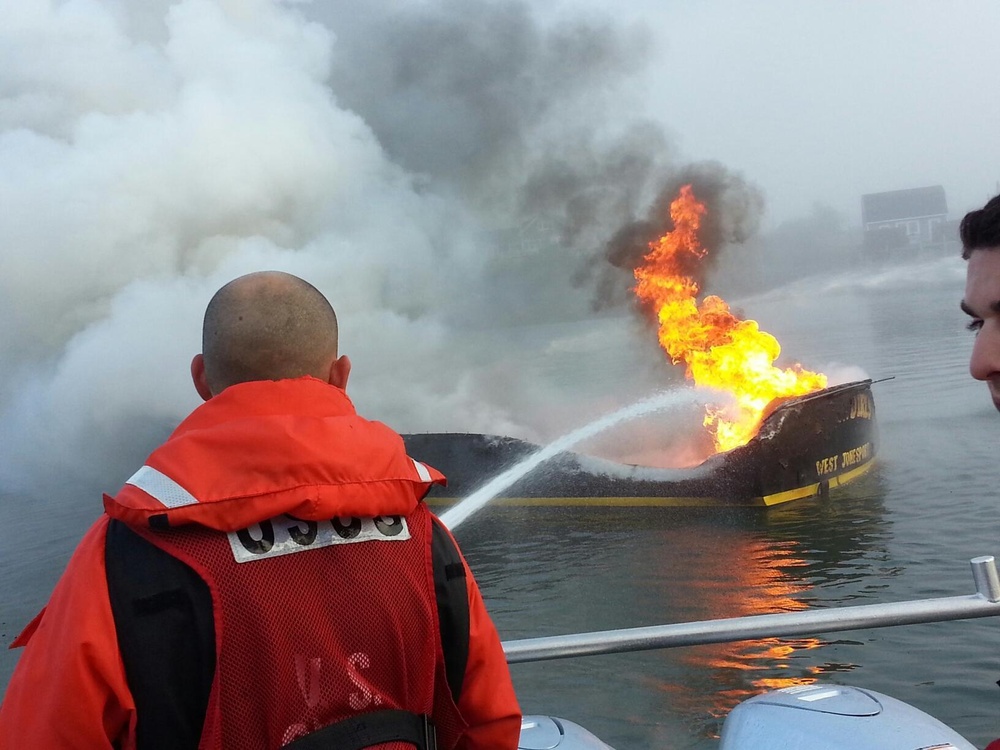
[[984, 573]]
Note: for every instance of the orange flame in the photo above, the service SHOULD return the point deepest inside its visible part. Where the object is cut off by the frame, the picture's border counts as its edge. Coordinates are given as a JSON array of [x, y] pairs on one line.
[[718, 349]]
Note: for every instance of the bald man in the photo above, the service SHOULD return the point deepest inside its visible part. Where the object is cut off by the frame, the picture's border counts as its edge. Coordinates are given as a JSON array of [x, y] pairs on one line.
[[268, 326], [270, 577]]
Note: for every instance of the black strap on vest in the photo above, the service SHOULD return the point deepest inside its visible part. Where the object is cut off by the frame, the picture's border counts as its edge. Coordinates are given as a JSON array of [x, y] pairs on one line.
[[452, 604], [166, 637], [369, 729], [166, 634]]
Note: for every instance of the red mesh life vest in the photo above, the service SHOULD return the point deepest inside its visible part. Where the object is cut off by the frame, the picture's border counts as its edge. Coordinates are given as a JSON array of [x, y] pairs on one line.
[[317, 621]]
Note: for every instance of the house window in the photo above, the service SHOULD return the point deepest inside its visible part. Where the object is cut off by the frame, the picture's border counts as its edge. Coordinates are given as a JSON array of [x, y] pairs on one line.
[[912, 228]]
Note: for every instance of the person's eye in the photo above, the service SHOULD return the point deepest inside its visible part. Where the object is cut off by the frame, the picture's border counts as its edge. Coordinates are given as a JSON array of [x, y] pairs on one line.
[[975, 325]]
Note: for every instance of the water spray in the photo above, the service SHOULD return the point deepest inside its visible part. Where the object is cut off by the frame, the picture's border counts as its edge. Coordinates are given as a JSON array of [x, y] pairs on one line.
[[663, 400]]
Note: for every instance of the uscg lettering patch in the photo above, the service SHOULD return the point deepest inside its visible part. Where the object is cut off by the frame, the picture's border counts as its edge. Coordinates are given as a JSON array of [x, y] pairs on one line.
[[284, 535]]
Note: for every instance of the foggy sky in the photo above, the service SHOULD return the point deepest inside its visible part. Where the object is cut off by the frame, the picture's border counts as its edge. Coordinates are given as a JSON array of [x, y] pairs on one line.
[[824, 102], [450, 173]]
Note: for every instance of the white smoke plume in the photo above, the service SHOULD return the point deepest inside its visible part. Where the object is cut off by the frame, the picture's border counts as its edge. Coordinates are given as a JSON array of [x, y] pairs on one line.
[[440, 171]]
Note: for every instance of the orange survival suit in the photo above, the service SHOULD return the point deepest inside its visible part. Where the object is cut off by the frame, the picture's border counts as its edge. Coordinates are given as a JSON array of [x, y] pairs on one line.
[[304, 526]]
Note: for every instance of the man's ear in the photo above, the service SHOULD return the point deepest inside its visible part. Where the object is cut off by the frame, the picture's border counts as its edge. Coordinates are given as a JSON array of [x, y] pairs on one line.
[[340, 371], [198, 376]]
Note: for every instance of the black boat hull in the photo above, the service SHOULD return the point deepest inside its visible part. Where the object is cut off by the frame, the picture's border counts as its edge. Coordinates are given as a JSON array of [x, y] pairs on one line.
[[805, 447]]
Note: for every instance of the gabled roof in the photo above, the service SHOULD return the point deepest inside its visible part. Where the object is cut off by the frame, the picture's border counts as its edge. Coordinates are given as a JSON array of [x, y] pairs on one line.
[[903, 204]]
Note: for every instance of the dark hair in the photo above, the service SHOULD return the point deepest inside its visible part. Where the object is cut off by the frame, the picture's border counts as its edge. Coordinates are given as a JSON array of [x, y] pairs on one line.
[[981, 228]]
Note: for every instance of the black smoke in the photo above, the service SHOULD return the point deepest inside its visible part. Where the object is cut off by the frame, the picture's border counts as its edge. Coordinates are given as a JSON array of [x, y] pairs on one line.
[[734, 208]]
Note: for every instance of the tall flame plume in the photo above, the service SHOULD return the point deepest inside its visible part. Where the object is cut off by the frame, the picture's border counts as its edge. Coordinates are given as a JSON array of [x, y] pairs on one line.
[[718, 349]]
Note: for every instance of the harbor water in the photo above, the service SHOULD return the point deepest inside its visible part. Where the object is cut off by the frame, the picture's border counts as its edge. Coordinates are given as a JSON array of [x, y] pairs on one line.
[[905, 531]]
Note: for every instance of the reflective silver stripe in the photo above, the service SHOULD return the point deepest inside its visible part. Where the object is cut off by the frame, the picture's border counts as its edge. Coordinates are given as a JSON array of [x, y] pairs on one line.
[[162, 487], [421, 471]]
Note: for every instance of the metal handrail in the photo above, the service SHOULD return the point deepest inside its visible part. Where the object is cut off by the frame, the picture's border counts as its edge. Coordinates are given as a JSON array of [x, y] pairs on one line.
[[984, 603]]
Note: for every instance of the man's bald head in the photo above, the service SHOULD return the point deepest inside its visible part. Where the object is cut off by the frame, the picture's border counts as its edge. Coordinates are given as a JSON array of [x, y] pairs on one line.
[[267, 326]]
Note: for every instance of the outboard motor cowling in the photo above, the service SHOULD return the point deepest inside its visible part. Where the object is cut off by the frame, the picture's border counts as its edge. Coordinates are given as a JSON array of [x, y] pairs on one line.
[[834, 717], [550, 733]]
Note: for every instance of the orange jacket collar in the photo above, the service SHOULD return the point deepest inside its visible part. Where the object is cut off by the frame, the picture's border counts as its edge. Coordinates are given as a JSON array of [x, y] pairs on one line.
[[265, 448]]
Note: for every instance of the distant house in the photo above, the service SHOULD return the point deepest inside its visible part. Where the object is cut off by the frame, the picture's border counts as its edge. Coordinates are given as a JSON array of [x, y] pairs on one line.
[[904, 218]]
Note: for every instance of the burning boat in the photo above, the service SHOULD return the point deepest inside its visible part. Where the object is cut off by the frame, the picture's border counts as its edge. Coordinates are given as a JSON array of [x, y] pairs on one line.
[[805, 447], [787, 435]]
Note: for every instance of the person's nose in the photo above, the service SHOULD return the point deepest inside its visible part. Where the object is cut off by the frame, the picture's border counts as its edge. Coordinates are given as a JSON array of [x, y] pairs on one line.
[[985, 360]]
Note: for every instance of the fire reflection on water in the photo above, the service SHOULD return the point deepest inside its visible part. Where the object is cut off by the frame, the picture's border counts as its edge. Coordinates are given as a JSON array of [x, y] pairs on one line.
[[754, 576], [556, 571]]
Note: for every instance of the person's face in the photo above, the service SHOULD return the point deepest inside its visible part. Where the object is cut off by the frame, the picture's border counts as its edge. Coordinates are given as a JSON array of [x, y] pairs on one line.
[[982, 303]]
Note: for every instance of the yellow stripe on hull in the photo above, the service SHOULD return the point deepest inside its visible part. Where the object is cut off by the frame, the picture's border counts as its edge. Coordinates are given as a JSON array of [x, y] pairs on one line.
[[663, 502], [788, 495], [813, 489]]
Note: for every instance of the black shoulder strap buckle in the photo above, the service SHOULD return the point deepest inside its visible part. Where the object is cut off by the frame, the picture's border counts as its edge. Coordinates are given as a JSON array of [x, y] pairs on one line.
[[375, 728]]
